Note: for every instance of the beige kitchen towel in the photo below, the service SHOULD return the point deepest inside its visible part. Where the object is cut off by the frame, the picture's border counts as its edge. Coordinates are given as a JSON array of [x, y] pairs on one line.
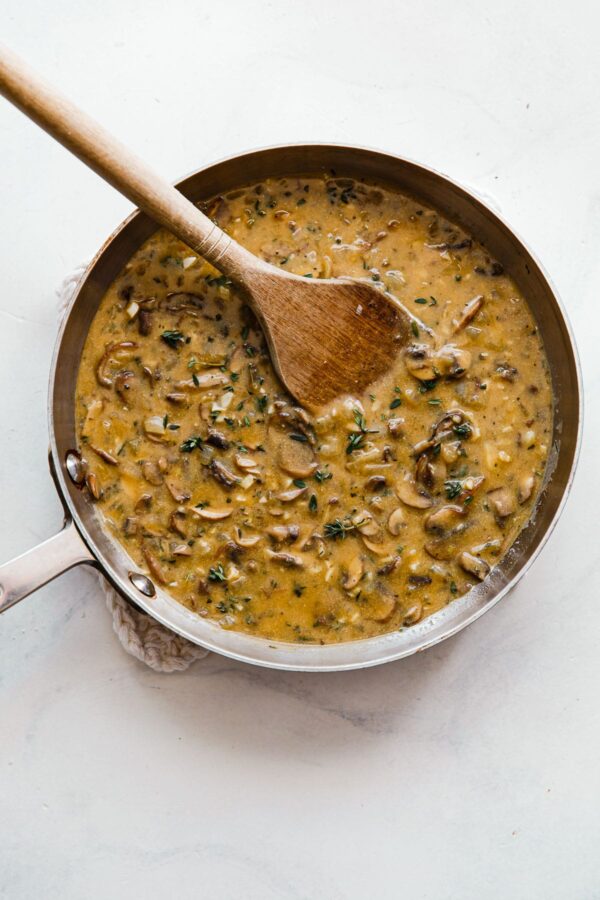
[[140, 635]]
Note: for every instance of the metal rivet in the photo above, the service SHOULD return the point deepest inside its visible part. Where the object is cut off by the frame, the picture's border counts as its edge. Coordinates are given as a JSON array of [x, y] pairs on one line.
[[142, 583], [75, 467]]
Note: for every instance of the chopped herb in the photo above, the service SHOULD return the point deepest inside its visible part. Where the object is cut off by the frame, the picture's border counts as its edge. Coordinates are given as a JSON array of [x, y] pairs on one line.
[[457, 277], [415, 328], [299, 589], [192, 443], [434, 401], [245, 332], [420, 300], [355, 441], [453, 588], [246, 422], [396, 402], [453, 489], [283, 261], [262, 402], [173, 338], [234, 376], [433, 301], [173, 427], [312, 503], [321, 475], [299, 483], [195, 379], [463, 430], [301, 438], [427, 385], [309, 275], [193, 362], [339, 528], [217, 573]]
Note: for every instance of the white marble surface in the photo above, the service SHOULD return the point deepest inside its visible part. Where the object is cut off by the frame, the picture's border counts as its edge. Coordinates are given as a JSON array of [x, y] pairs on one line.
[[469, 773]]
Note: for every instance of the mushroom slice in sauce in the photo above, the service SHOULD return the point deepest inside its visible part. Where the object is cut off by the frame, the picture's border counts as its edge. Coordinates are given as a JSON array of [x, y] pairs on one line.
[[474, 565], [287, 560], [296, 458], [444, 519], [212, 513], [223, 474], [412, 495], [469, 312], [502, 501]]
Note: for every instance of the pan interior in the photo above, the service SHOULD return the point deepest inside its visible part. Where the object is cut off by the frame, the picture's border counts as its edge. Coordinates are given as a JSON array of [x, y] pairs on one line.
[[455, 203]]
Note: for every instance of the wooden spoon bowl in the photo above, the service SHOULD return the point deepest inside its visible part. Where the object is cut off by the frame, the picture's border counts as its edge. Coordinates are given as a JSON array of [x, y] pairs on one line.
[[326, 337]]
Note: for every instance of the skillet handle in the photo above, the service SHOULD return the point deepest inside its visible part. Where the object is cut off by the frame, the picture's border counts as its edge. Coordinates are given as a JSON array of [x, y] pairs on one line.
[[35, 568]]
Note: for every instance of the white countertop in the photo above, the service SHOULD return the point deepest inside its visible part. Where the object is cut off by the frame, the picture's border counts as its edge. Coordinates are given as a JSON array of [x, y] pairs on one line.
[[468, 773]]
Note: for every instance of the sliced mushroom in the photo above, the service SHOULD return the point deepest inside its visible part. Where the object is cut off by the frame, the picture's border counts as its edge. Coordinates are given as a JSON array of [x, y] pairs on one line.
[[382, 605], [444, 519], [474, 565], [154, 426], [203, 382], [396, 426], [376, 483], [144, 503], [288, 560], [177, 522], [396, 521], [124, 383], [222, 474], [375, 548], [430, 472], [93, 485], [145, 322], [390, 566], [243, 461], [503, 502], [154, 566], [469, 312], [151, 472], [130, 526], [213, 514], [292, 494], [413, 496], [413, 614], [181, 550], [451, 361], [296, 458], [177, 398], [420, 363], [295, 419], [103, 454], [284, 533], [448, 545], [217, 439], [179, 494], [353, 573], [112, 352], [526, 483], [248, 540]]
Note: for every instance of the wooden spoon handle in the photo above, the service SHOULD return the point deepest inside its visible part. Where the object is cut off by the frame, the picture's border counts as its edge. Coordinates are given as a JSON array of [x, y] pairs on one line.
[[99, 150]]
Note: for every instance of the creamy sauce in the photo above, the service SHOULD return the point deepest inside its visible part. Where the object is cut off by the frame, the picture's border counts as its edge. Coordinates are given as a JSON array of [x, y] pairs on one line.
[[358, 521]]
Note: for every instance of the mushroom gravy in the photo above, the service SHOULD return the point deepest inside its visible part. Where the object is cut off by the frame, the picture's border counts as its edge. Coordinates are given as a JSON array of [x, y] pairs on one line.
[[357, 521]]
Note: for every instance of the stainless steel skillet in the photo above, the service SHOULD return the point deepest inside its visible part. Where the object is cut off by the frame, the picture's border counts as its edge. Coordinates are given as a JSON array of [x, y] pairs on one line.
[[83, 539]]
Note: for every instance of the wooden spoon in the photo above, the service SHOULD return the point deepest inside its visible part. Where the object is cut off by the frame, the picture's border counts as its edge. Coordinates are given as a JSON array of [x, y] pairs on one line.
[[326, 336]]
